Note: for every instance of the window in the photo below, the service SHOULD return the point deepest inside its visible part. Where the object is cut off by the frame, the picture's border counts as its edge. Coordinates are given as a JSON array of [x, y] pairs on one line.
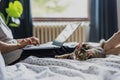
[[60, 10]]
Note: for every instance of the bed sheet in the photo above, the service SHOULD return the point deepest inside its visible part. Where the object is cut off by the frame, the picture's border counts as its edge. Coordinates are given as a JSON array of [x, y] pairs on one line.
[[34, 68]]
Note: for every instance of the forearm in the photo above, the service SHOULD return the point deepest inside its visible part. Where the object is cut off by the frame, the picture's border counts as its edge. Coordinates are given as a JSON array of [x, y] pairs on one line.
[[114, 51], [4, 47], [113, 41], [21, 43]]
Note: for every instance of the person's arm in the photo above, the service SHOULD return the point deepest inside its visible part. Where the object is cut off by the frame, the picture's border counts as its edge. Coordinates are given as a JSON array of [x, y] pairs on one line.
[[4, 47], [112, 42], [21, 43], [114, 51]]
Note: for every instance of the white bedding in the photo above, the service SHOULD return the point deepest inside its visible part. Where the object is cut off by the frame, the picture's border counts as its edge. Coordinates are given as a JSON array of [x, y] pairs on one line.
[[61, 69]]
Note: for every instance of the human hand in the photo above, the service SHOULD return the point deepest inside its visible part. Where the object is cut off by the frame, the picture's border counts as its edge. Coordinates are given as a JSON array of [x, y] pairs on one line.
[[32, 40], [28, 41]]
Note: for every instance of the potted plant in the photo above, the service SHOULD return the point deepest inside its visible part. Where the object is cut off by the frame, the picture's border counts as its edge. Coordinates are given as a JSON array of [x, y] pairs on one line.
[[14, 12]]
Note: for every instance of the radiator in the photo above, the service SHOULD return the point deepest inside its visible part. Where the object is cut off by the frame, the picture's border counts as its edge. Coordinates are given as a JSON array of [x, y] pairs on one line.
[[47, 32]]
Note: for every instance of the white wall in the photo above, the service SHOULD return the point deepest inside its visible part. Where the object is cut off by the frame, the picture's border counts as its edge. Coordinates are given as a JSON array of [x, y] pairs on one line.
[[118, 12]]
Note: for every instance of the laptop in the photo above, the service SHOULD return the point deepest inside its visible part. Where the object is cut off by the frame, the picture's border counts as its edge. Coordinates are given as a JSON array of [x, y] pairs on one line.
[[59, 41]]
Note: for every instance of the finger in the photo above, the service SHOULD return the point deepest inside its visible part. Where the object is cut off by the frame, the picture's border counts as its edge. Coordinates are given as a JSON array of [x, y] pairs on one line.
[[35, 40], [24, 41], [29, 41]]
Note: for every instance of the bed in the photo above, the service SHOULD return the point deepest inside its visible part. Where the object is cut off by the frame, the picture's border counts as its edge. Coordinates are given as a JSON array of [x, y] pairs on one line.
[[34, 68]]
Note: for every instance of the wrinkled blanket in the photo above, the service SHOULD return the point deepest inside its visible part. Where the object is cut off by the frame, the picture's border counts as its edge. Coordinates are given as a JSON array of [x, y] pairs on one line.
[[34, 68]]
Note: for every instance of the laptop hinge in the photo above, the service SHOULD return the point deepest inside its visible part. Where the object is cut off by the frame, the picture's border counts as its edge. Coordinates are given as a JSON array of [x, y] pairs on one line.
[[57, 43]]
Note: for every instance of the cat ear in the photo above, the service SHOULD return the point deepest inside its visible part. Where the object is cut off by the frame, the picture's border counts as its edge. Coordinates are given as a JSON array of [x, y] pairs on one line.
[[79, 45]]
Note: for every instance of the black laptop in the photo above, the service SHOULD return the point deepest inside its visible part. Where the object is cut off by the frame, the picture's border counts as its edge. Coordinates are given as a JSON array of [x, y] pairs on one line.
[[59, 41]]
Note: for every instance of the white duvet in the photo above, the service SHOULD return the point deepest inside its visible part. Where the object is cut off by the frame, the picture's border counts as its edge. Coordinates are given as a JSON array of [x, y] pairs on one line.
[[34, 68]]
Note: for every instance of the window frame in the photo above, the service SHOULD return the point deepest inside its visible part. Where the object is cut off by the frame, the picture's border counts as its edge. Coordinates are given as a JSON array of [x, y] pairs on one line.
[[61, 19]]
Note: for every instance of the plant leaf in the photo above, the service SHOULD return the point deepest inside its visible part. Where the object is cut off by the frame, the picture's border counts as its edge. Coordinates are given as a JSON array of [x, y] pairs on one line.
[[19, 7], [3, 17], [15, 9], [13, 25]]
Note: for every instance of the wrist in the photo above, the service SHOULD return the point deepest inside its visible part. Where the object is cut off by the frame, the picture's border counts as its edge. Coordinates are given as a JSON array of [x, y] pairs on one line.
[[19, 46]]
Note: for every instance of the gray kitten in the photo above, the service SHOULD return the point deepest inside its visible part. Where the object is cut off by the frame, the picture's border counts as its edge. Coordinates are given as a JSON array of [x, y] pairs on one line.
[[86, 51]]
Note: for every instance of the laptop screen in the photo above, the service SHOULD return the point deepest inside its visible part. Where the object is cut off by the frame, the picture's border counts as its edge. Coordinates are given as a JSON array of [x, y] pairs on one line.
[[65, 34]]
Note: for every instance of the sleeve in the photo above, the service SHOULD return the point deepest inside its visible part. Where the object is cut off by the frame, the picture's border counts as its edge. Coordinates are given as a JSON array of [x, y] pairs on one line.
[[2, 68]]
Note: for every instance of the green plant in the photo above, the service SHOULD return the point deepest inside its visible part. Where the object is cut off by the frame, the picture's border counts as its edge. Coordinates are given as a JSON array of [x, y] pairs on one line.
[[14, 12]]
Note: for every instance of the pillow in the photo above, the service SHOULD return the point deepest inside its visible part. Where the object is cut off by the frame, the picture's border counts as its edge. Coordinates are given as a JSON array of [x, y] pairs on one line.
[[2, 68]]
